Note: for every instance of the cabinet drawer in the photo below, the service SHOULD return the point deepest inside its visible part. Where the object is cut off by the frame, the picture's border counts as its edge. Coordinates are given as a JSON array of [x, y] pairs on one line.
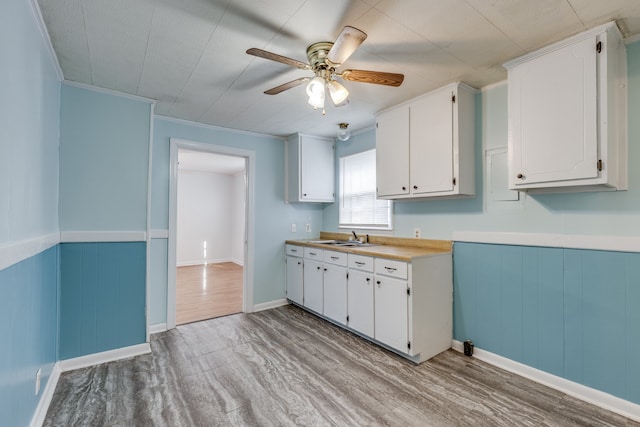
[[391, 268], [294, 250], [361, 262], [313, 253], [338, 258]]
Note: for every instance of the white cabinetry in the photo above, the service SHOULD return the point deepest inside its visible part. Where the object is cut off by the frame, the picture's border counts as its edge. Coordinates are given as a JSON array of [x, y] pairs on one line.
[[425, 147], [567, 115], [294, 274], [313, 284], [335, 286], [360, 301], [404, 306], [309, 169]]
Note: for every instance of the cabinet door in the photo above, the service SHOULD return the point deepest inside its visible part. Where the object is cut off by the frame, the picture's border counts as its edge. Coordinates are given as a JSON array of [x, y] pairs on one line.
[[392, 152], [553, 116], [313, 285], [316, 169], [360, 302], [335, 293], [431, 135], [391, 312], [294, 279]]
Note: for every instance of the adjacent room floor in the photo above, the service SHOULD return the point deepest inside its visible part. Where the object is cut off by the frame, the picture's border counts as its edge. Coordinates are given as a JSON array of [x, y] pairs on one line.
[[208, 291], [286, 367]]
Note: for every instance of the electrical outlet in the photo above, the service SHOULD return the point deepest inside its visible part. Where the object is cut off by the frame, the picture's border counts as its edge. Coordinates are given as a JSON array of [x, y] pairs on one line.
[[416, 233], [38, 378], [307, 228], [293, 227]]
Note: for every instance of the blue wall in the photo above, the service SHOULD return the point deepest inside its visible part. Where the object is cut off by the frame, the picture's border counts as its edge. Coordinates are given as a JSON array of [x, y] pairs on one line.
[[272, 215], [102, 302], [572, 313], [104, 161], [28, 332], [29, 128]]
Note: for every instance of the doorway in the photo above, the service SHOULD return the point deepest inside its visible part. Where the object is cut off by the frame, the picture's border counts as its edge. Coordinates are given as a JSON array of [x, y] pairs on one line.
[[209, 232]]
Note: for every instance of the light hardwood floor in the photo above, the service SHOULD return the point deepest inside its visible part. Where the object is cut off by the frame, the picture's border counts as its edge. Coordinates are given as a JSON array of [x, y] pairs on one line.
[[204, 292], [285, 367]]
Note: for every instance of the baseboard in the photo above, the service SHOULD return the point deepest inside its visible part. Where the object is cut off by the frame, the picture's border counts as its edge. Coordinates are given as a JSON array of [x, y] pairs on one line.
[[202, 262], [45, 399], [579, 391], [269, 305], [104, 357], [157, 328]]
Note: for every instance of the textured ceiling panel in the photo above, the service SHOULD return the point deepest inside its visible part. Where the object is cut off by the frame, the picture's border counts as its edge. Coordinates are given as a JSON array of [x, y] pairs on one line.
[[189, 55]]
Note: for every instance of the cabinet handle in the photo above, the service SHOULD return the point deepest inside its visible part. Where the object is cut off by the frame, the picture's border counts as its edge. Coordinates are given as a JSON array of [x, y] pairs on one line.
[[415, 187], [313, 253], [294, 250], [335, 257], [520, 176], [359, 263], [390, 269]]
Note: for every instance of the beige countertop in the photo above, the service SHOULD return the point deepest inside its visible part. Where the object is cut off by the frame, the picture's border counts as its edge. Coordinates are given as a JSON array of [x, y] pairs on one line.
[[398, 248]]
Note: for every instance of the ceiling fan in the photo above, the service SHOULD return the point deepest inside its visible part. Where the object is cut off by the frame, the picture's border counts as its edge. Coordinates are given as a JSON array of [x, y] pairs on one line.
[[324, 58]]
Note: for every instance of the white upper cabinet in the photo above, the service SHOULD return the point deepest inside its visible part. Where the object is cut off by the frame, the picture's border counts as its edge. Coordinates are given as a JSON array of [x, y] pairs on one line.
[[310, 169], [425, 147], [567, 115]]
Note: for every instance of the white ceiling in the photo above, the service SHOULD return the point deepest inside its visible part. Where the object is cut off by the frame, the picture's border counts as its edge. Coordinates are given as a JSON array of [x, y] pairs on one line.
[[189, 55], [199, 161]]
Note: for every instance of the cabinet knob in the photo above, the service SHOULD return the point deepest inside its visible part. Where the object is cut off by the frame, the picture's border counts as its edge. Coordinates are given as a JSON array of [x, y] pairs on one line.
[[415, 187], [520, 176], [305, 194], [368, 280], [318, 267], [404, 188], [299, 263], [325, 269]]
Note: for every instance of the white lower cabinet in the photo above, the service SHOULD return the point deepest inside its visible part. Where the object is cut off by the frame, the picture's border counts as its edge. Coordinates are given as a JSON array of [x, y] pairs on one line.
[[404, 306], [391, 313], [335, 286], [360, 302], [313, 286], [294, 274]]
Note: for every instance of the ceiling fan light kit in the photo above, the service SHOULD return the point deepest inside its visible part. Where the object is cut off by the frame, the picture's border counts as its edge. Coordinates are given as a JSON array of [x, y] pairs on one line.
[[324, 58]]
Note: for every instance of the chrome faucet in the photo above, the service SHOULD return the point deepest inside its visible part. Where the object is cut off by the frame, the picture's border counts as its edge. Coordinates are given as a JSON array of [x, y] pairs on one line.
[[355, 236]]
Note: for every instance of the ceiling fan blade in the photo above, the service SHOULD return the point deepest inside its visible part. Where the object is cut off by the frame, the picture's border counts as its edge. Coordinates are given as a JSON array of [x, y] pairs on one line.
[[276, 90], [278, 58], [376, 77], [346, 43]]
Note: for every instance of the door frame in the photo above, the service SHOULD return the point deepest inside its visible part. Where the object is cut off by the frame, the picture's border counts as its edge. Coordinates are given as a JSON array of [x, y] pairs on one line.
[[250, 168]]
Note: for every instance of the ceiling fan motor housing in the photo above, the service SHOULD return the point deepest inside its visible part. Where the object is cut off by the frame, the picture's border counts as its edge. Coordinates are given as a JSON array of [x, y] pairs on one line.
[[317, 55]]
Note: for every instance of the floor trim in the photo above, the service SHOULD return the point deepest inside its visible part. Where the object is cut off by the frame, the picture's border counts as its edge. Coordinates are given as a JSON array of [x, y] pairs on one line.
[[157, 328], [579, 391], [45, 399], [104, 357], [270, 304]]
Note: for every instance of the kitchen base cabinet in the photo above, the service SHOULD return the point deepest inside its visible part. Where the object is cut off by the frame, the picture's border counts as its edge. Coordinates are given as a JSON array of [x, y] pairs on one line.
[[360, 302], [294, 276], [391, 313], [335, 286], [313, 286], [405, 307]]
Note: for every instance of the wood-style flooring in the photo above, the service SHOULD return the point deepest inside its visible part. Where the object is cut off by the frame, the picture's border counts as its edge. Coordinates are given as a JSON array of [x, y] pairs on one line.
[[208, 291], [285, 367]]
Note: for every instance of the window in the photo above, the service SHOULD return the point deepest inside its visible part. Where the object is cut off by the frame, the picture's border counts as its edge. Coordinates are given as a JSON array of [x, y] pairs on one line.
[[359, 207]]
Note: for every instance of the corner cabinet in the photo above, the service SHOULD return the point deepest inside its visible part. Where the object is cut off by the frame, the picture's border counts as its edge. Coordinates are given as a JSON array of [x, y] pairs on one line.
[[310, 166], [567, 115], [425, 147]]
